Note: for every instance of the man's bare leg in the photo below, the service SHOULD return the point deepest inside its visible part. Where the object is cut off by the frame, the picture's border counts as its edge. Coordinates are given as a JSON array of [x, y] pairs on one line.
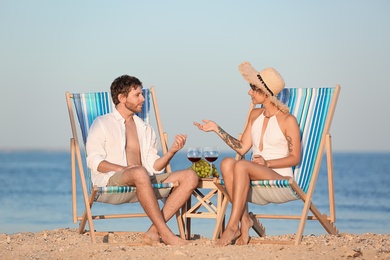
[[140, 178], [188, 180]]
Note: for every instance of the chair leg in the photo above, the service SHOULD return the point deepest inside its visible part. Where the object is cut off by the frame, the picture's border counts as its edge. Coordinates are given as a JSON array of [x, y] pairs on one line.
[[73, 173], [222, 211], [325, 222], [257, 226], [219, 226], [329, 159], [87, 216], [186, 220], [302, 222]]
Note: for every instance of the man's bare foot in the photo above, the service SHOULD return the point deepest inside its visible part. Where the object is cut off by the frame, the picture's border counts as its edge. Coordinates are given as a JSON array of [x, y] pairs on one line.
[[228, 237], [173, 240], [246, 224], [150, 239]]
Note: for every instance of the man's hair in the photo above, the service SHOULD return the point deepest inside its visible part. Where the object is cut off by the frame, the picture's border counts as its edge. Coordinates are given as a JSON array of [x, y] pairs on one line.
[[123, 85]]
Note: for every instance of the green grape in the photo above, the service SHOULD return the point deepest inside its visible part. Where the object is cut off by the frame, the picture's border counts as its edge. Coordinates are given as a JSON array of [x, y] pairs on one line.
[[215, 172], [202, 169]]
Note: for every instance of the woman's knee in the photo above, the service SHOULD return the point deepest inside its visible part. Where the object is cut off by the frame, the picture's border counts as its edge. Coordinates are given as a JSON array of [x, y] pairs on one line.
[[241, 166], [227, 164]]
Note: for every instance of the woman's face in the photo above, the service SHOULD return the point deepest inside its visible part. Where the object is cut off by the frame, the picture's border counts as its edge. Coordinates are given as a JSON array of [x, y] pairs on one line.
[[258, 95]]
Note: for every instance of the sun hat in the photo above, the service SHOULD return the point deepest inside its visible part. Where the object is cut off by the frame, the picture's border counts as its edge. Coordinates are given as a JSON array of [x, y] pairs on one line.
[[268, 80]]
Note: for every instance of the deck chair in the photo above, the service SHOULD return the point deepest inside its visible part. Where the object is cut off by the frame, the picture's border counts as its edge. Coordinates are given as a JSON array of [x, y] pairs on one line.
[[86, 107], [314, 109]]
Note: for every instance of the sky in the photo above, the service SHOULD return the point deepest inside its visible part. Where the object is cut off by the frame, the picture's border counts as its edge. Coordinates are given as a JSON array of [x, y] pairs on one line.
[[190, 52]]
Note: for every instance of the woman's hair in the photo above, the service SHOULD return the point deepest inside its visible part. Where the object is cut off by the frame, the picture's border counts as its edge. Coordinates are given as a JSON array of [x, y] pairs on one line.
[[284, 109], [259, 90], [123, 85]]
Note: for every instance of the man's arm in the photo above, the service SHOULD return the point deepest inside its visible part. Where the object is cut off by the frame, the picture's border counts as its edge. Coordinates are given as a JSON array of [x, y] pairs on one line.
[[177, 145], [105, 167]]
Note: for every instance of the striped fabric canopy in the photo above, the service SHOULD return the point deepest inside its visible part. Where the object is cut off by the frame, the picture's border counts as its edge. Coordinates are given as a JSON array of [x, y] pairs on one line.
[[126, 189], [310, 106], [91, 105]]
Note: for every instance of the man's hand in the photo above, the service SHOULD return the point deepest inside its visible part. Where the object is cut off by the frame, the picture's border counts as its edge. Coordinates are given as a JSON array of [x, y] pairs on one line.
[[179, 142]]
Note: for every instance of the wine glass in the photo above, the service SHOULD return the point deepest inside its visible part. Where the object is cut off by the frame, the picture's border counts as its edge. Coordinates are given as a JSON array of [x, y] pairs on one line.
[[211, 155], [194, 154]]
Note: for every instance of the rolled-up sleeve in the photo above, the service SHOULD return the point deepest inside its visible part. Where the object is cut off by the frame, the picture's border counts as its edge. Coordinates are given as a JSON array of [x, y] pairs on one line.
[[106, 142], [95, 145], [152, 154]]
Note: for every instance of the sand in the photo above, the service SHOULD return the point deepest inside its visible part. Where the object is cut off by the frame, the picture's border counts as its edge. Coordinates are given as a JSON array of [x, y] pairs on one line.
[[68, 244]]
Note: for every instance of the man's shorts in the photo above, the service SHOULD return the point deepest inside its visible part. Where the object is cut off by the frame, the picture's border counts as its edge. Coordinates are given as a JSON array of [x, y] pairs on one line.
[[116, 180]]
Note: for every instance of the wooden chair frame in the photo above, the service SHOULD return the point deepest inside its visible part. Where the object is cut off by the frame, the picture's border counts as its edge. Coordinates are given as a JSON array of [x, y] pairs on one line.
[[328, 222], [77, 158]]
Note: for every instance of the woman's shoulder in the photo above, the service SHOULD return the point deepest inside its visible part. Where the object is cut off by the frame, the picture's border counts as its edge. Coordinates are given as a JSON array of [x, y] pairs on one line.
[[287, 119], [256, 111], [286, 115], [290, 117], [254, 114]]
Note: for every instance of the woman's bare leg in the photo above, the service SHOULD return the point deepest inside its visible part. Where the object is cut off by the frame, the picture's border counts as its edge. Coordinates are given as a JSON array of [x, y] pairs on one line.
[[246, 224], [240, 193], [227, 168], [254, 172]]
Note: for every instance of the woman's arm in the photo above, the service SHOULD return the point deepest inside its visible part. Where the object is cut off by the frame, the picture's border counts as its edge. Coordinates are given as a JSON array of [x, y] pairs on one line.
[[241, 146], [292, 134]]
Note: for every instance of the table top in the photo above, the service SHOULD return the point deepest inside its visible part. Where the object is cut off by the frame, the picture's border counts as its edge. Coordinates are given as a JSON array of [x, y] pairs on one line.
[[206, 183]]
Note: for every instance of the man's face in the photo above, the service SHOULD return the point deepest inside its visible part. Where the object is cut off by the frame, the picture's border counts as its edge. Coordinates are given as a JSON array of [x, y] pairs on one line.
[[134, 100]]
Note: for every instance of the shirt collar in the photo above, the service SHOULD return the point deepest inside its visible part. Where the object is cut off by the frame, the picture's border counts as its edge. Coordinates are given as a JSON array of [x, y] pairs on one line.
[[119, 117]]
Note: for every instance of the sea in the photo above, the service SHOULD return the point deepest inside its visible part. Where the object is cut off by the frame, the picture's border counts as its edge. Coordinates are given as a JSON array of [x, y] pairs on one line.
[[36, 195]]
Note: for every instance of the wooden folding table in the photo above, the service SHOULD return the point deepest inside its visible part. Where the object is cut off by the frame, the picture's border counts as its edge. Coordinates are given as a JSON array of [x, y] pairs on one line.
[[207, 204]]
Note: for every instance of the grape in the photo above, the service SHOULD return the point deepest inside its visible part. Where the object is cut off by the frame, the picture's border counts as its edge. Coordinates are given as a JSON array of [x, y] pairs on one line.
[[202, 168]]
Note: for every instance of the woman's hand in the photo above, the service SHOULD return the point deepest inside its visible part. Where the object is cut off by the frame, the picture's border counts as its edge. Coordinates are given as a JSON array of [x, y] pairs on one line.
[[259, 160], [207, 125]]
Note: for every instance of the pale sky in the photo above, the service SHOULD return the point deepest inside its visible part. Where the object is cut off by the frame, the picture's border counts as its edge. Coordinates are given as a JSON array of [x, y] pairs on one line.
[[190, 52]]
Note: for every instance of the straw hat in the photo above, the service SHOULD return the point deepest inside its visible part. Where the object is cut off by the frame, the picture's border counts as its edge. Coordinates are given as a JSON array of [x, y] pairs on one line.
[[268, 80]]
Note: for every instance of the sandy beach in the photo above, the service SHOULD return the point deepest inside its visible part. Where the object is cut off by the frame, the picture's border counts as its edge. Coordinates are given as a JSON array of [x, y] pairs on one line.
[[68, 244]]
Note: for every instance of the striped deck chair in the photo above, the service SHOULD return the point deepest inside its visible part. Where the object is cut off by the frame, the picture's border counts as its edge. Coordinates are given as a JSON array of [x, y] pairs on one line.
[[314, 109], [86, 107]]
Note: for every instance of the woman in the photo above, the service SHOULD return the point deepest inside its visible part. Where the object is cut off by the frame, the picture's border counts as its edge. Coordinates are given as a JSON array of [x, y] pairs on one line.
[[273, 135]]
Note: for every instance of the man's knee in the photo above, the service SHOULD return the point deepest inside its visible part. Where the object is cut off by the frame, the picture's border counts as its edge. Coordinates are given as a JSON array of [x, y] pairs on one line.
[[189, 176], [136, 175]]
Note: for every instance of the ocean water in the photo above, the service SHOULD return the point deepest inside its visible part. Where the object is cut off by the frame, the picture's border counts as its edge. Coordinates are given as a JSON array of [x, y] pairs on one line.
[[35, 195]]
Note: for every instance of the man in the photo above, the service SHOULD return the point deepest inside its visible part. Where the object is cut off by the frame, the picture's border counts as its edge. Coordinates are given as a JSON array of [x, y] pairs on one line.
[[122, 151]]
